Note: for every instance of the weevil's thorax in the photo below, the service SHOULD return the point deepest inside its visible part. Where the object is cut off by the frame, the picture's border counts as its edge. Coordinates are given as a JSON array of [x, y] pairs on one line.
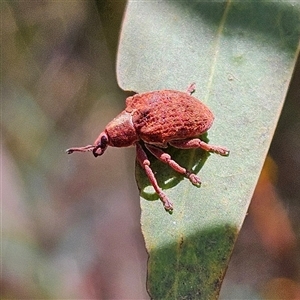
[[120, 131]]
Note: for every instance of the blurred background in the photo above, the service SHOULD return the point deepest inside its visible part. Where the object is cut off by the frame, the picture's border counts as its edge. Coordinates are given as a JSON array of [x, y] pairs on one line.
[[70, 224]]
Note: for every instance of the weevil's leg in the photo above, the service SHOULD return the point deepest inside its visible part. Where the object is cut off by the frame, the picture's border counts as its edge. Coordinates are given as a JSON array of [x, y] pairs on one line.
[[191, 88], [145, 163], [197, 143], [166, 158], [80, 149]]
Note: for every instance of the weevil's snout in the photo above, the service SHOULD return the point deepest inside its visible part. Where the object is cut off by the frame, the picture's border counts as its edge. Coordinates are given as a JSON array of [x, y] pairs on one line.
[[97, 148], [97, 151], [100, 144]]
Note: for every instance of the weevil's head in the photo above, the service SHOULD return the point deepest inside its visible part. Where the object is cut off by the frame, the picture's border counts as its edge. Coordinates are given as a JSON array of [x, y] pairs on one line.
[[120, 132], [100, 144], [97, 148]]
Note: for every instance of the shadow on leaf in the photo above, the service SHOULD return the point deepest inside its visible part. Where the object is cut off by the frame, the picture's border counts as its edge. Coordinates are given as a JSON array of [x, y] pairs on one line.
[[193, 266]]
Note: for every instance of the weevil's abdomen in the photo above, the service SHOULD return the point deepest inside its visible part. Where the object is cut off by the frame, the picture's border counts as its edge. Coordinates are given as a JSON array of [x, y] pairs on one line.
[[167, 115]]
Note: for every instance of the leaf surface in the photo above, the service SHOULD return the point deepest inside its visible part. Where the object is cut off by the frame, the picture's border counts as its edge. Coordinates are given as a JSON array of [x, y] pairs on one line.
[[241, 56]]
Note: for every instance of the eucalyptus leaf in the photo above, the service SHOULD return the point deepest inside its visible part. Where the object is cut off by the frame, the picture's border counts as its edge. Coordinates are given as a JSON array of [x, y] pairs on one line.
[[241, 56]]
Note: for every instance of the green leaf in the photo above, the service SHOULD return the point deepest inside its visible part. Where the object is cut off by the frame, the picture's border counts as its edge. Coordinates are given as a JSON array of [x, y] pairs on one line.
[[241, 56]]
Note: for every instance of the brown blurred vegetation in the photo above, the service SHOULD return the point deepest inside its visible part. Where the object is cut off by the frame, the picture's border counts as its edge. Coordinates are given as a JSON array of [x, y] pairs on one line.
[[70, 225]]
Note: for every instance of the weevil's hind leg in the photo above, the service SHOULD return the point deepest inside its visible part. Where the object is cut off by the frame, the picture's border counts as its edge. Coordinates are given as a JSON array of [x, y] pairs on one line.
[[191, 88], [167, 159], [197, 143], [145, 163]]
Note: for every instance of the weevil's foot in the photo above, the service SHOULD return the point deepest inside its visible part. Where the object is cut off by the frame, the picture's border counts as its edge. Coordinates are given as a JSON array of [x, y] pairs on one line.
[[224, 152], [191, 88], [168, 205], [194, 179], [169, 208], [220, 150]]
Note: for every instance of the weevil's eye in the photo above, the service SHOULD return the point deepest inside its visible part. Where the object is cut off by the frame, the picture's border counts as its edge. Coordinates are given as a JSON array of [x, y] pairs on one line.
[[100, 144]]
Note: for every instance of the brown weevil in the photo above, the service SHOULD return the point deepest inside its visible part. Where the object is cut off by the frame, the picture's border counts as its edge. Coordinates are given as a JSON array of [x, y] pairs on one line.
[[158, 119]]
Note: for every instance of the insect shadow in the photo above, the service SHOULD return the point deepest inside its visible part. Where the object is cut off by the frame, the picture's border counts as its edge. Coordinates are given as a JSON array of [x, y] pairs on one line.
[[191, 159]]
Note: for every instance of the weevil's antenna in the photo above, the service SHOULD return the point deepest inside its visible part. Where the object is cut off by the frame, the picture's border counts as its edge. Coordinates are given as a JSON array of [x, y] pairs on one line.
[[87, 148]]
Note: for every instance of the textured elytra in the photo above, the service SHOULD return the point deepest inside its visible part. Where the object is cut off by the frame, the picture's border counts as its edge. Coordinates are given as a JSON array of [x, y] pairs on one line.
[[163, 116]]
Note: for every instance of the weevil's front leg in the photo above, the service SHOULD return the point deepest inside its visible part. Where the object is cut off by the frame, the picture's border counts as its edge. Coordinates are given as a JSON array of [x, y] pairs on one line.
[[145, 163], [166, 158], [197, 143]]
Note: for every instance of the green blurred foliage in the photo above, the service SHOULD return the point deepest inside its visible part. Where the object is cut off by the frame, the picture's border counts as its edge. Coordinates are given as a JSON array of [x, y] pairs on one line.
[[69, 230]]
